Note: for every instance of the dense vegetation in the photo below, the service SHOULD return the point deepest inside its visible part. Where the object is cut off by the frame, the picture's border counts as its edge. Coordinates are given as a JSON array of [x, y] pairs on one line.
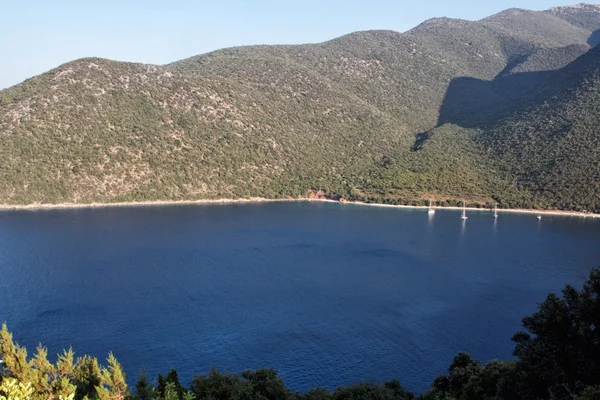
[[549, 144], [557, 357], [351, 118]]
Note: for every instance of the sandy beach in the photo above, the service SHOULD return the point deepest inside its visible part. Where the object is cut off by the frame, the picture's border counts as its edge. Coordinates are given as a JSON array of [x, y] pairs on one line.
[[40, 206]]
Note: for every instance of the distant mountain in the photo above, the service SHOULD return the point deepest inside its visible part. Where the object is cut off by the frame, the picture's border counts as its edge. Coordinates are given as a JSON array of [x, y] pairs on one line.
[[375, 116]]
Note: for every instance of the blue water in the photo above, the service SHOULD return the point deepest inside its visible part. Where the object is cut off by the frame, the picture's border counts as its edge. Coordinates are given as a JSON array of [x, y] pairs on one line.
[[326, 294]]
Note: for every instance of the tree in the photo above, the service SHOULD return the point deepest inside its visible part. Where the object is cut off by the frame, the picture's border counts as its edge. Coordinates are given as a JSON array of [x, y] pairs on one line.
[[13, 389], [143, 388], [88, 376], [173, 379], [366, 391], [113, 385], [66, 379], [267, 384], [559, 352], [468, 380], [590, 393]]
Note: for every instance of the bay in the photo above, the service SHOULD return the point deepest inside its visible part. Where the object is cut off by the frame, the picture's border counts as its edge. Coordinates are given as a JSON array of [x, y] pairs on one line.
[[326, 294]]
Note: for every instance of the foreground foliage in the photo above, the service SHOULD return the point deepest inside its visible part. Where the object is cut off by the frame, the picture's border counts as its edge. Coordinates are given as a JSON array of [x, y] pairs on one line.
[[38, 378], [557, 357]]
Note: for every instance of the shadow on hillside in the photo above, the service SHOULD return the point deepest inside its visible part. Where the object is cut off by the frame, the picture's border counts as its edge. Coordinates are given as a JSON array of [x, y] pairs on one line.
[[420, 139], [594, 39], [469, 101]]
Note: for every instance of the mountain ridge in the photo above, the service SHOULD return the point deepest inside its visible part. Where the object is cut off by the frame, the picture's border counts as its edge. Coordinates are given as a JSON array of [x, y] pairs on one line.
[[350, 116]]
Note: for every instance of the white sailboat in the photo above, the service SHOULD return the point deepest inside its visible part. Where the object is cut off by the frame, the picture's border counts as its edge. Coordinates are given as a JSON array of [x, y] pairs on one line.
[[495, 211], [431, 210], [464, 213]]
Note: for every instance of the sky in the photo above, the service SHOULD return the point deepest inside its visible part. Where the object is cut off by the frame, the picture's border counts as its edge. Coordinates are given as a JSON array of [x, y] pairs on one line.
[[38, 35]]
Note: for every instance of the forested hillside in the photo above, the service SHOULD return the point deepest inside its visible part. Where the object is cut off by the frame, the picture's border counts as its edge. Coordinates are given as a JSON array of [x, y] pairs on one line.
[[374, 116], [548, 143]]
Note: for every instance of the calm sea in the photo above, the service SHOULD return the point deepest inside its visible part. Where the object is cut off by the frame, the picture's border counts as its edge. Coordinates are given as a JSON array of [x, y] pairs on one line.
[[327, 294]]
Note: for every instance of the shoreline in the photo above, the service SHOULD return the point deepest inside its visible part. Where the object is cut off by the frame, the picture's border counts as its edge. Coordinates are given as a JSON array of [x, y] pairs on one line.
[[251, 200], [499, 210]]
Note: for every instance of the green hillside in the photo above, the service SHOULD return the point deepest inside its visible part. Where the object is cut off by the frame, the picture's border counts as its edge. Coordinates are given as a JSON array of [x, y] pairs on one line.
[[351, 117], [550, 145]]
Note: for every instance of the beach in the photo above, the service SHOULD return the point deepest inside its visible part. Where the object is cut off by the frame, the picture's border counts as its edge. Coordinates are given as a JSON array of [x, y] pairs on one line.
[[58, 206]]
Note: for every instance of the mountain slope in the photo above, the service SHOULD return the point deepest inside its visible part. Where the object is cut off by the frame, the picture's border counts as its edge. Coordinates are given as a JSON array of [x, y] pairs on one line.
[[548, 144], [125, 131], [552, 145], [403, 74], [351, 117], [582, 15], [543, 27], [586, 16]]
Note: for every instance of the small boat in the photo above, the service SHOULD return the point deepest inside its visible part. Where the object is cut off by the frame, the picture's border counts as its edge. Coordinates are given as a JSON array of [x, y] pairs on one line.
[[495, 211], [464, 213], [539, 217], [431, 210]]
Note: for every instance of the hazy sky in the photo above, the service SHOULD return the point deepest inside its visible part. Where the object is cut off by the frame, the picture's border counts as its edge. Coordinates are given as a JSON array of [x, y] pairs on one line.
[[37, 35]]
